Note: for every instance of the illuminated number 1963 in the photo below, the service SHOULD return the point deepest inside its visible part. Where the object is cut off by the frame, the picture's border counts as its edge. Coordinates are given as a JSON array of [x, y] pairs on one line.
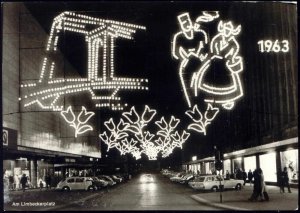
[[273, 46]]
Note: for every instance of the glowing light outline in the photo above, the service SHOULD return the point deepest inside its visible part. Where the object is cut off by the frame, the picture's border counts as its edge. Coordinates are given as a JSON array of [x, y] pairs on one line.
[[227, 32], [199, 125], [80, 124], [262, 44], [104, 36], [184, 55], [164, 140]]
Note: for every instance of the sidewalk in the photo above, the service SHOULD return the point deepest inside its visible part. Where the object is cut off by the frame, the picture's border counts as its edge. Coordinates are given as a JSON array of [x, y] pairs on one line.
[[238, 200]]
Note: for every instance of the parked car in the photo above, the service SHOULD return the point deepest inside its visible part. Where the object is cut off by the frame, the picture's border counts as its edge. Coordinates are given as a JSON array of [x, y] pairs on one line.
[[76, 183], [122, 177], [116, 179], [212, 182], [99, 183], [110, 181], [177, 177], [186, 178], [172, 174]]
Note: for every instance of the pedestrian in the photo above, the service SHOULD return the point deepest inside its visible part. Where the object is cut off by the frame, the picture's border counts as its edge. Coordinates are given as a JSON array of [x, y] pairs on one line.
[[17, 182], [227, 175], [5, 181], [235, 174], [256, 186], [11, 182], [250, 176], [244, 174], [41, 185], [48, 181], [263, 194], [23, 182], [285, 180]]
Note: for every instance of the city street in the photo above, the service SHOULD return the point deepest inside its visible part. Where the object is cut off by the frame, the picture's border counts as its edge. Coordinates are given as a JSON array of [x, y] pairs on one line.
[[136, 194], [122, 106]]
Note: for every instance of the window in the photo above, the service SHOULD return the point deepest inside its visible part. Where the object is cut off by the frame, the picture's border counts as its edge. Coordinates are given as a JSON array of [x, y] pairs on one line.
[[289, 159], [250, 163], [200, 179], [268, 165], [79, 180], [209, 179], [71, 180]]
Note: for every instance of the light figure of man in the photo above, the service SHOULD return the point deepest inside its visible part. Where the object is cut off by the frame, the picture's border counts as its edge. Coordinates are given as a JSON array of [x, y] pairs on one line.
[[188, 46]]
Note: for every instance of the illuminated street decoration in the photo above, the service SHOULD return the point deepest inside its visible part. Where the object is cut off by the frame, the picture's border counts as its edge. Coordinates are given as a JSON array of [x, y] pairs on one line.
[[273, 46], [189, 43], [79, 123], [201, 121], [197, 54], [132, 135], [100, 35], [223, 46]]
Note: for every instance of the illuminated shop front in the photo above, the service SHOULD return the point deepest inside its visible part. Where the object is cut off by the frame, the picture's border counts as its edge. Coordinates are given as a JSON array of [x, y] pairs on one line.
[[271, 158], [250, 163], [227, 165], [268, 166], [290, 160], [237, 164]]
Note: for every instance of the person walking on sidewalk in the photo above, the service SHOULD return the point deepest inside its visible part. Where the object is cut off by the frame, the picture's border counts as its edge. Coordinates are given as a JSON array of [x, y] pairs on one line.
[[264, 196], [23, 182], [285, 180], [244, 173], [250, 177], [257, 189], [11, 182]]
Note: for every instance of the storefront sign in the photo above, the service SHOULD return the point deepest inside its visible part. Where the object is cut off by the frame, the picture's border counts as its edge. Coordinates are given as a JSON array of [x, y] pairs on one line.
[[5, 137], [9, 137]]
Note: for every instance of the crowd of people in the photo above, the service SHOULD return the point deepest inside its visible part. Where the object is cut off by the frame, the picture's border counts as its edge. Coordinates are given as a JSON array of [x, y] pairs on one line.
[[18, 182], [257, 179], [21, 182]]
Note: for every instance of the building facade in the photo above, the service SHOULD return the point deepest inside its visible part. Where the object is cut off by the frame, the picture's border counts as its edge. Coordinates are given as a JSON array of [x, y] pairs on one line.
[[263, 130], [37, 142]]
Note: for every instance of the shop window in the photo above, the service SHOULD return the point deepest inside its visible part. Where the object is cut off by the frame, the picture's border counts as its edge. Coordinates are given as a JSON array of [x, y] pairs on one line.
[[237, 164], [207, 170], [227, 165], [289, 159], [250, 163], [268, 166]]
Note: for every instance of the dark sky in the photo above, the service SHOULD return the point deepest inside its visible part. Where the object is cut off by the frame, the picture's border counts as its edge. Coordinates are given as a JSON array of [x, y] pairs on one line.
[[149, 56]]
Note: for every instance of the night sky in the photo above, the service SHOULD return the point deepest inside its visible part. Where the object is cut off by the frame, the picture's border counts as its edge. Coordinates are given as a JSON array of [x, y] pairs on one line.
[[149, 56]]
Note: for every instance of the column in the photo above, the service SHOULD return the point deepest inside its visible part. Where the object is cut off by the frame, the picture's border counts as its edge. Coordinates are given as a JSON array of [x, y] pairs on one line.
[[33, 172], [12, 167]]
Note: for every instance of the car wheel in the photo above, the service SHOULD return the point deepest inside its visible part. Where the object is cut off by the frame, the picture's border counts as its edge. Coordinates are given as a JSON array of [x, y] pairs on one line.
[[238, 186], [66, 188], [91, 188], [214, 188]]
